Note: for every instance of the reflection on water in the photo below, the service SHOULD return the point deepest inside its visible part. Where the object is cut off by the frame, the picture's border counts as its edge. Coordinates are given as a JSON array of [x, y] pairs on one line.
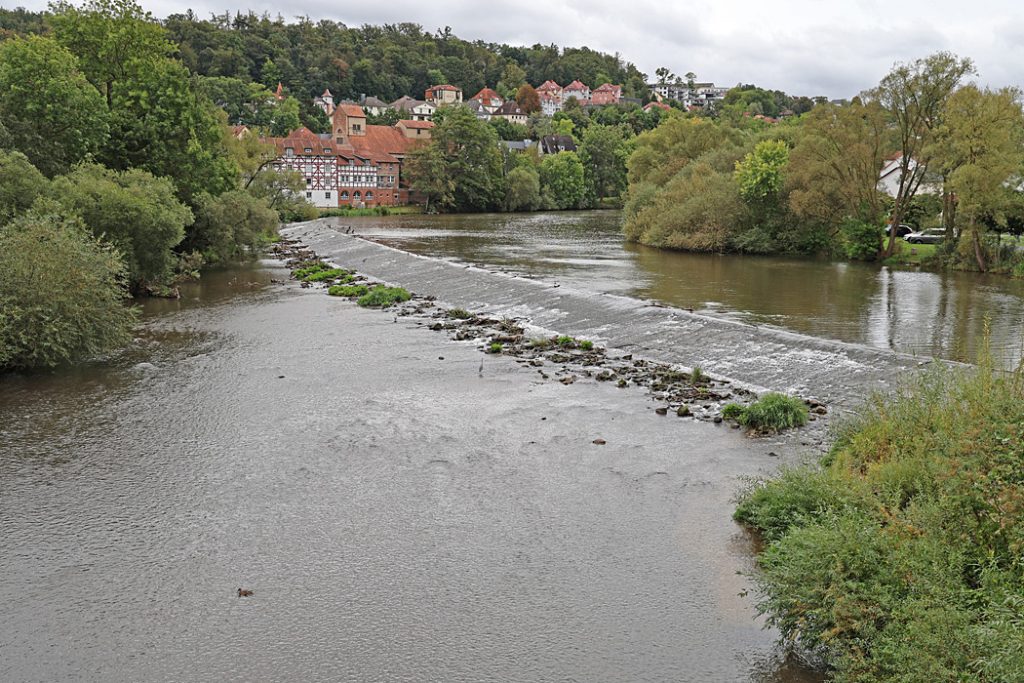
[[922, 313]]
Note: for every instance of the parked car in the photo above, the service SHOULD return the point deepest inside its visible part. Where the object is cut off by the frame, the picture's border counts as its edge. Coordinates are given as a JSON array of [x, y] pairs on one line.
[[902, 230], [933, 236]]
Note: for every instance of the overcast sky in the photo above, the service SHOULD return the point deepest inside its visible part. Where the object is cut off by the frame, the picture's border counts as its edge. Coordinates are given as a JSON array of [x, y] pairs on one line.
[[805, 47]]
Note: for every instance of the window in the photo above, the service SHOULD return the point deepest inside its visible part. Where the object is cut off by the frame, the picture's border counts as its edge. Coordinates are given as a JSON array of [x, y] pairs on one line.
[[309, 181], [355, 195], [308, 150], [344, 195], [369, 195], [309, 195], [327, 150], [289, 151], [327, 195]]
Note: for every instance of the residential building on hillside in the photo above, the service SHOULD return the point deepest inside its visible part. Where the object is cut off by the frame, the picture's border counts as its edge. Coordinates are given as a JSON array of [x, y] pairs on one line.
[[890, 175], [553, 144], [375, 106], [325, 102], [489, 100], [417, 110], [478, 109], [443, 94], [578, 90], [511, 112], [657, 105], [701, 95], [355, 164], [606, 94]]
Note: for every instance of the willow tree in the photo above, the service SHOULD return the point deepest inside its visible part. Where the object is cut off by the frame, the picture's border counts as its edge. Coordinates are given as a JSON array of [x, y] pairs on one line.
[[980, 150], [915, 97]]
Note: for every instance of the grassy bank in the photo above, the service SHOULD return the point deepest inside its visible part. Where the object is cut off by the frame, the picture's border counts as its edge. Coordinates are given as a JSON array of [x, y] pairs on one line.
[[900, 557], [371, 211]]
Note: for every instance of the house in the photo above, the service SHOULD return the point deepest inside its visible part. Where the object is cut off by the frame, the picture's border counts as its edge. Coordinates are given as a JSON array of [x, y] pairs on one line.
[[577, 90], [511, 112], [891, 172], [550, 103], [606, 94], [551, 88], [375, 106], [416, 130], [443, 94], [553, 144], [325, 102], [355, 164], [657, 105], [518, 145], [417, 110], [239, 132], [478, 110], [489, 100]]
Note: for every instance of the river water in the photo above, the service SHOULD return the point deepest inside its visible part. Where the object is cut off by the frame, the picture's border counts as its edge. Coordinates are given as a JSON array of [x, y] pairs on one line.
[[902, 309], [403, 507]]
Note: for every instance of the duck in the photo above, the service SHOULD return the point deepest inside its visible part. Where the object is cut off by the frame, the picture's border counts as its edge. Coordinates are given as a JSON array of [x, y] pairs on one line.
[[244, 593]]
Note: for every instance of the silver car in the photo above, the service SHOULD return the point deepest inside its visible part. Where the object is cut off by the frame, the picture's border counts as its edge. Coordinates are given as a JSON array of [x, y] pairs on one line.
[[933, 236]]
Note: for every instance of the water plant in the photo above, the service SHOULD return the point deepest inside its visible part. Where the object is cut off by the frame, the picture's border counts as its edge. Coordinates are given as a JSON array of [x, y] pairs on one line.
[[459, 313], [565, 341], [495, 347], [348, 290], [732, 411], [329, 274], [697, 375], [307, 268], [587, 345], [382, 296], [773, 412]]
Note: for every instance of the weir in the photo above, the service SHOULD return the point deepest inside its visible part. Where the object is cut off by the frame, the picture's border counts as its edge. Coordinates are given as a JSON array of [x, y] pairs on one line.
[[760, 358]]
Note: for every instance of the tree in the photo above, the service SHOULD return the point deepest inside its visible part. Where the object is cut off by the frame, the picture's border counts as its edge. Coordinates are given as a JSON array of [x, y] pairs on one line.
[[233, 224], [978, 146], [512, 77], [114, 40], [507, 130], [285, 117], [665, 75], [61, 293], [49, 110], [522, 190], [759, 175], [528, 99], [563, 181], [460, 169], [20, 184], [603, 152], [132, 210], [915, 95]]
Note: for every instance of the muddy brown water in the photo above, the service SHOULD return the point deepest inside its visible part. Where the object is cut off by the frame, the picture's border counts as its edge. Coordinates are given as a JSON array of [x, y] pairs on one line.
[[399, 517], [902, 309]]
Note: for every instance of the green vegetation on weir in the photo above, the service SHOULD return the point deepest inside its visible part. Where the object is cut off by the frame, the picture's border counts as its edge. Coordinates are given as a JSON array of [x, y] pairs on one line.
[[810, 183], [900, 557]]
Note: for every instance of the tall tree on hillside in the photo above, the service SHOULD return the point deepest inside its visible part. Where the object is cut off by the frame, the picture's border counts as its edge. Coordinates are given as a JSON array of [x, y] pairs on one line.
[[113, 40], [49, 110], [603, 152], [915, 96], [980, 148]]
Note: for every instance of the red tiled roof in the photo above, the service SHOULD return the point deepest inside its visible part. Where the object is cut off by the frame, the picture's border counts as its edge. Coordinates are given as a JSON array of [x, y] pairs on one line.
[[549, 86], [352, 110], [608, 87], [381, 143], [417, 124], [659, 105], [442, 87], [486, 96], [300, 140], [576, 85]]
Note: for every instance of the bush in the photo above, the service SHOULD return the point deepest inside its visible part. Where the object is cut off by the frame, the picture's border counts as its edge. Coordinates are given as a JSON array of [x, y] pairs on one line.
[[900, 556], [61, 294], [459, 314], [861, 241], [495, 347], [565, 341], [732, 411], [231, 225], [382, 297], [329, 274], [774, 412], [586, 345], [348, 290]]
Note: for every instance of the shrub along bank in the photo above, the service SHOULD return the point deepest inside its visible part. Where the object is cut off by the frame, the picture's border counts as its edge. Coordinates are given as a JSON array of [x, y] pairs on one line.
[[900, 557]]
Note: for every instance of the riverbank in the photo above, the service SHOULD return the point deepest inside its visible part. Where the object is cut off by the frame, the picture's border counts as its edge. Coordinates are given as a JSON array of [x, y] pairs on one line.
[[399, 512]]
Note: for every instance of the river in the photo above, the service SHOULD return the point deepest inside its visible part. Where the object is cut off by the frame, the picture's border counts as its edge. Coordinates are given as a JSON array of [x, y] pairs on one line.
[[941, 314], [403, 507]]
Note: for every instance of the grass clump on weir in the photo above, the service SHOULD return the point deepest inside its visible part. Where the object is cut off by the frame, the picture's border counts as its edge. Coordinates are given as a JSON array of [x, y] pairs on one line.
[[771, 413], [348, 290], [459, 314], [900, 556], [382, 297]]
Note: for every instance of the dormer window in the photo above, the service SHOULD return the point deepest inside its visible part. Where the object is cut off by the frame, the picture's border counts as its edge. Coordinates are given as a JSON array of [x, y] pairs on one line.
[[327, 150], [308, 150], [289, 151]]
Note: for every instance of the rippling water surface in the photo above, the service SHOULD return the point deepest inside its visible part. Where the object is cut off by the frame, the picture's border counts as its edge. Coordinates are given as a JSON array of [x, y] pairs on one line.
[[401, 512], [916, 312]]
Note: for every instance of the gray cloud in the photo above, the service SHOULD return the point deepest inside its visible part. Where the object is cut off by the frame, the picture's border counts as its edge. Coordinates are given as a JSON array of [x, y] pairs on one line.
[[801, 46]]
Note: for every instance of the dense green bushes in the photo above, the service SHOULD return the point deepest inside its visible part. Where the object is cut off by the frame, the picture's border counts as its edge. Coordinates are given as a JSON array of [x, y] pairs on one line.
[[901, 557], [61, 293]]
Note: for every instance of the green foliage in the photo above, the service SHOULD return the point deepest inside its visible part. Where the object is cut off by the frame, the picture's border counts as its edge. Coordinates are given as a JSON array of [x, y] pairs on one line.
[[20, 184], [61, 294], [861, 240], [732, 411], [586, 345], [697, 375], [563, 180], [459, 314], [333, 274], [284, 118], [507, 130], [350, 291], [772, 412], [565, 341], [50, 112], [231, 225], [132, 210], [522, 190], [494, 347], [759, 175], [900, 557], [383, 297], [603, 153]]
